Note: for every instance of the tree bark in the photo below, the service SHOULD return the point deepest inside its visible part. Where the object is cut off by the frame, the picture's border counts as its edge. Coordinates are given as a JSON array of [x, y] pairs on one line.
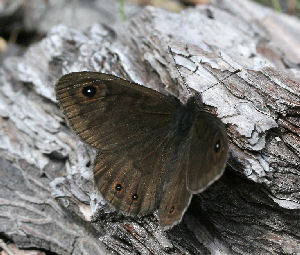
[[47, 197]]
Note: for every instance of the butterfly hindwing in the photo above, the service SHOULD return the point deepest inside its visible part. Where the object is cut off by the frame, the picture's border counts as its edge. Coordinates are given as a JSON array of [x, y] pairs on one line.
[[176, 197], [132, 186]]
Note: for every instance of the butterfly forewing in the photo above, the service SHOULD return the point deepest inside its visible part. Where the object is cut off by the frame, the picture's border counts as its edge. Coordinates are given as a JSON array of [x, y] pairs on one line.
[[131, 126], [119, 113], [208, 151]]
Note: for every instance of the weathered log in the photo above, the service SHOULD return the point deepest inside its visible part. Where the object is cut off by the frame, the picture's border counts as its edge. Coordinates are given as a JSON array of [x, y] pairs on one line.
[[47, 196]]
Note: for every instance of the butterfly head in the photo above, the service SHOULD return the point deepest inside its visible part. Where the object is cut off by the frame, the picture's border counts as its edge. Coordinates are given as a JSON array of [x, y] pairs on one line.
[[195, 102]]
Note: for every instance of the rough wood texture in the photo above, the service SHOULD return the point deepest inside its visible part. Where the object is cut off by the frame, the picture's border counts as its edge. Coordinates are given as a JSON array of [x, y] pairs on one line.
[[46, 190]]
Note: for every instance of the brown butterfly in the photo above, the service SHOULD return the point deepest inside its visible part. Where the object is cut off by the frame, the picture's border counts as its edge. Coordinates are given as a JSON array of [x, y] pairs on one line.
[[153, 151]]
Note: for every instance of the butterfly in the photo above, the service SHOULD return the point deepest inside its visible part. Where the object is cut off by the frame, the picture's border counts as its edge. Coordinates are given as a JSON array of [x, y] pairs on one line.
[[154, 152]]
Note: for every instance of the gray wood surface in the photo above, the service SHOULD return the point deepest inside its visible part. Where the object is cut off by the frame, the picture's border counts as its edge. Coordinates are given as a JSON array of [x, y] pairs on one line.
[[47, 197]]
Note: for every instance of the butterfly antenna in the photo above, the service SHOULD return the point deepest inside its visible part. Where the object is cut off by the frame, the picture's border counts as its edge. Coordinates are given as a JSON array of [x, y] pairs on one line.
[[185, 83], [235, 72], [182, 78]]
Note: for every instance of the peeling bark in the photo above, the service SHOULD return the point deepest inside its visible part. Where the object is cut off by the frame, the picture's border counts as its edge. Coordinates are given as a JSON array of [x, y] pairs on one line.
[[47, 197]]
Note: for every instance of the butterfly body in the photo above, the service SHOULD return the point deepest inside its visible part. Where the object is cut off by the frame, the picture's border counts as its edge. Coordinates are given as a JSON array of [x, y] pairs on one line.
[[153, 151]]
